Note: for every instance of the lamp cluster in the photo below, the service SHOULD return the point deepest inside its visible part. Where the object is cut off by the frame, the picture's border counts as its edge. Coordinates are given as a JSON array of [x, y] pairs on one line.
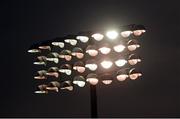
[[88, 57]]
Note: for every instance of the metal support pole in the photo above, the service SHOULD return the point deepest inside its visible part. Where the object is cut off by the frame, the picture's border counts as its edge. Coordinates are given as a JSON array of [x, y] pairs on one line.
[[93, 101]]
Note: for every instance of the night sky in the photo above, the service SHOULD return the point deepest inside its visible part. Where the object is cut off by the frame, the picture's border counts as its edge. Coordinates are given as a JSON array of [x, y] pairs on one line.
[[156, 94]]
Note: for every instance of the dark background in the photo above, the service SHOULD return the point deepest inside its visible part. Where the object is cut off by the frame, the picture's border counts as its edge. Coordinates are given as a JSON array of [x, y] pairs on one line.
[[156, 94]]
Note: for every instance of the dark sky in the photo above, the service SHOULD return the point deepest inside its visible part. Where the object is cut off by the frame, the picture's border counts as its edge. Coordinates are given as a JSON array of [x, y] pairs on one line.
[[156, 94]]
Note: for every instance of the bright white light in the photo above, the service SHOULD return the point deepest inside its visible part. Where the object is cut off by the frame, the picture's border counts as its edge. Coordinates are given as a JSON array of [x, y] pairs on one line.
[[71, 41], [60, 44], [92, 52], [133, 47], [112, 34], [39, 63], [83, 39], [106, 64], [34, 51], [80, 69], [122, 77], [105, 50], [79, 83], [55, 60], [92, 81], [40, 91], [98, 36], [126, 34], [40, 77], [120, 62], [67, 71], [119, 48], [106, 82], [134, 61], [91, 67]]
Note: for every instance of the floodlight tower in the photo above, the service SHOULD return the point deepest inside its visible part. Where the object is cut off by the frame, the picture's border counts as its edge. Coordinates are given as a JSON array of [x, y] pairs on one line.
[[88, 57]]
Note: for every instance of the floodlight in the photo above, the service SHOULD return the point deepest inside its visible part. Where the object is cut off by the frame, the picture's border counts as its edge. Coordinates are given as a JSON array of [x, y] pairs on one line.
[[138, 30], [65, 68], [106, 64], [83, 39], [134, 74], [106, 78], [66, 54], [91, 50], [91, 65], [119, 48], [112, 34], [122, 74], [34, 49], [78, 52], [133, 45], [53, 71], [79, 80], [120, 62], [134, 59], [98, 36], [92, 78], [79, 66]]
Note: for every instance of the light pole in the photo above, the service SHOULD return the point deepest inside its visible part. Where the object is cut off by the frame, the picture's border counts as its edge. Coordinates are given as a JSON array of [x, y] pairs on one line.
[[88, 57]]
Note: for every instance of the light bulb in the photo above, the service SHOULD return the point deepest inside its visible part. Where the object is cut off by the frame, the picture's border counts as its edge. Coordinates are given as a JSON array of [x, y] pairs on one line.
[[40, 77], [80, 69], [126, 34], [40, 63], [73, 42], [91, 67], [120, 62], [34, 51], [83, 39], [112, 34], [122, 77], [81, 83], [132, 47], [119, 48], [39, 92], [92, 52], [105, 50], [98, 36], [134, 61], [60, 44], [68, 72], [106, 82], [56, 60], [93, 81], [106, 64], [79, 55]]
